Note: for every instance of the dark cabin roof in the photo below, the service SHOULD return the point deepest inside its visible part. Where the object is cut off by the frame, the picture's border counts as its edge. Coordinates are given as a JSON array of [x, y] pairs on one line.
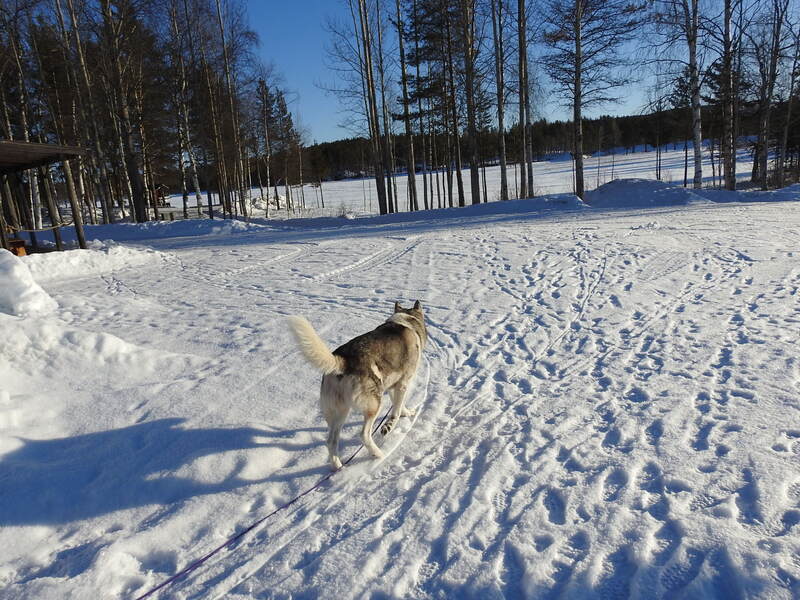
[[18, 156]]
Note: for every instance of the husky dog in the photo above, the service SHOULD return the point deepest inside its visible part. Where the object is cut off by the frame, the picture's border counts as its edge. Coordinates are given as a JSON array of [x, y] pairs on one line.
[[357, 374]]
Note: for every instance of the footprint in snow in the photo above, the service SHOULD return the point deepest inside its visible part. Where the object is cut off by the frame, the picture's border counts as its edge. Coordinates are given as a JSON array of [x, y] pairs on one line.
[[666, 541], [554, 502], [654, 431], [637, 395], [618, 571], [683, 571], [614, 484], [653, 499], [567, 557]]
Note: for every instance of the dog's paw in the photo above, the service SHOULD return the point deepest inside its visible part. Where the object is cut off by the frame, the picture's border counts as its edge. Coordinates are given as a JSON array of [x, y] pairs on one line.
[[409, 412], [336, 463], [388, 426]]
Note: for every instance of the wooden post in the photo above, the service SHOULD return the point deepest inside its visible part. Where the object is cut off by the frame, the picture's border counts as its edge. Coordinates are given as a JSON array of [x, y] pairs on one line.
[[77, 217], [51, 208], [3, 238]]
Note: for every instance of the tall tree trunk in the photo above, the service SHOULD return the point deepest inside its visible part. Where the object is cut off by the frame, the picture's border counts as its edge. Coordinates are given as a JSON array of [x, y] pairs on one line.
[[691, 26], [99, 161], [263, 92], [388, 159], [32, 204], [368, 79], [499, 68], [522, 43], [779, 8], [222, 174], [789, 102], [183, 118], [577, 101], [111, 30], [425, 153], [451, 100], [238, 171], [470, 51], [528, 128], [728, 145], [410, 160]]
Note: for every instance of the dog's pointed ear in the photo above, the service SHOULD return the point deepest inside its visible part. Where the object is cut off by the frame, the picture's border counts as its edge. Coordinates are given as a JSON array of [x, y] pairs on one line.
[[397, 307], [417, 305]]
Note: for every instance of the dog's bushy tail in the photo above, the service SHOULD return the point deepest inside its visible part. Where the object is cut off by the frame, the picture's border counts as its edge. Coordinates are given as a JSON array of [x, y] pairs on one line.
[[314, 348]]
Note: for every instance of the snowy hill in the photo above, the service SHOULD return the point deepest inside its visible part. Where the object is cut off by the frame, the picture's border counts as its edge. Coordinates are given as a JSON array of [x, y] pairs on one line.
[[609, 407]]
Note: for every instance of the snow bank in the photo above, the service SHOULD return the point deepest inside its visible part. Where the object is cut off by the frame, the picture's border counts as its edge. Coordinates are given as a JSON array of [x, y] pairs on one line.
[[47, 347], [19, 294], [126, 232], [641, 193], [164, 229], [100, 257], [787, 194]]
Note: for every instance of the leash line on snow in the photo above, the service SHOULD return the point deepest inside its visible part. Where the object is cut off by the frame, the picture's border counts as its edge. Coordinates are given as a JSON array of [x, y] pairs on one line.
[[230, 541]]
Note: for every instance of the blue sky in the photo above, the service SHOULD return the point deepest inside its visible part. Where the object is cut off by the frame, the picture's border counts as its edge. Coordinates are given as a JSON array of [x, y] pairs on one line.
[[293, 38]]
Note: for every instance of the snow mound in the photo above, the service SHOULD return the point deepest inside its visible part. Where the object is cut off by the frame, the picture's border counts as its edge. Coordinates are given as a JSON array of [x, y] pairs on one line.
[[19, 294], [641, 193], [100, 257]]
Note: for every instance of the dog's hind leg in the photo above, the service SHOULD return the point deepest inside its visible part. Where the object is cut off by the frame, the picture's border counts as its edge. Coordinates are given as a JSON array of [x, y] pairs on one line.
[[335, 420], [373, 405], [335, 408]]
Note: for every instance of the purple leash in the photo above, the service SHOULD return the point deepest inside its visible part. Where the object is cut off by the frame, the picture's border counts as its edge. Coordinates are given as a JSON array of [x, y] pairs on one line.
[[199, 562]]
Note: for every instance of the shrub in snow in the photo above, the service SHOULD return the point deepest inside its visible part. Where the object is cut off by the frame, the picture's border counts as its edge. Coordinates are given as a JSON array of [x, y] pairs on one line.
[[19, 293]]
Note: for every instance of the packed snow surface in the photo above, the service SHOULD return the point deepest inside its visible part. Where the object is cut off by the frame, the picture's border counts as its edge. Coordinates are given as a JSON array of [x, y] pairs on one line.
[[609, 407]]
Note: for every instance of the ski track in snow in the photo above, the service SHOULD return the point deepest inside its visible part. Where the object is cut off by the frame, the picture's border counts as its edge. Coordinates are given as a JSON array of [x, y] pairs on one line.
[[607, 410]]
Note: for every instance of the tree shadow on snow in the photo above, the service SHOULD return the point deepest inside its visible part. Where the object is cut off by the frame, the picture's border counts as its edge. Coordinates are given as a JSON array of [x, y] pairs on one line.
[[54, 481]]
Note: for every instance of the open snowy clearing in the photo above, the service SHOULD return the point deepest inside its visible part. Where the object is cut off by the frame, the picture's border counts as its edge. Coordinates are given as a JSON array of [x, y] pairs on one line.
[[550, 177], [609, 406]]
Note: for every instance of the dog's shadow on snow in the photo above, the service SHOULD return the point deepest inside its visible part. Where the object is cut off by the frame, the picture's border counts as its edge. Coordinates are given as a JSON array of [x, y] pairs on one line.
[[47, 482]]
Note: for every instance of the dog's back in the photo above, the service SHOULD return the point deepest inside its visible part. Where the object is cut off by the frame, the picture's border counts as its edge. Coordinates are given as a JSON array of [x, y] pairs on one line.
[[385, 352]]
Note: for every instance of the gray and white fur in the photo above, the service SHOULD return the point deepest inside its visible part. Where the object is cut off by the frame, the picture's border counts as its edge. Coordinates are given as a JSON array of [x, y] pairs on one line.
[[356, 374]]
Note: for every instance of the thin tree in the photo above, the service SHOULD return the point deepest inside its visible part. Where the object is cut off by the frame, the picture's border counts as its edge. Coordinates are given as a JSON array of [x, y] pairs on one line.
[[467, 14], [499, 70], [522, 70], [678, 22], [583, 38], [410, 160], [767, 41]]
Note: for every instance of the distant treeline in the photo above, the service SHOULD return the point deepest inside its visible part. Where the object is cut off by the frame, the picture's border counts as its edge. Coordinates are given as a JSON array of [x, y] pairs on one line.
[[349, 157], [170, 96]]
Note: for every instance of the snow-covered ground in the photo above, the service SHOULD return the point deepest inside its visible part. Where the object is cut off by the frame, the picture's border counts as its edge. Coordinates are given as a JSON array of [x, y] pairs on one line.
[[358, 196], [609, 406]]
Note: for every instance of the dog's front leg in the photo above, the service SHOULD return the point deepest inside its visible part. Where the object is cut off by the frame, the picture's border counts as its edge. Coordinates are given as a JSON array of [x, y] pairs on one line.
[[398, 396]]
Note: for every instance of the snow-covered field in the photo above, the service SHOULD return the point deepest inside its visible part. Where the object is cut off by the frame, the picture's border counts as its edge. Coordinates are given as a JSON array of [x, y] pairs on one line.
[[609, 406], [358, 196]]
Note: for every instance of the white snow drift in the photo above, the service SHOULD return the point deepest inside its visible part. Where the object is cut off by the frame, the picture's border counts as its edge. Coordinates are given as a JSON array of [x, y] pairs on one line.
[[19, 293]]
